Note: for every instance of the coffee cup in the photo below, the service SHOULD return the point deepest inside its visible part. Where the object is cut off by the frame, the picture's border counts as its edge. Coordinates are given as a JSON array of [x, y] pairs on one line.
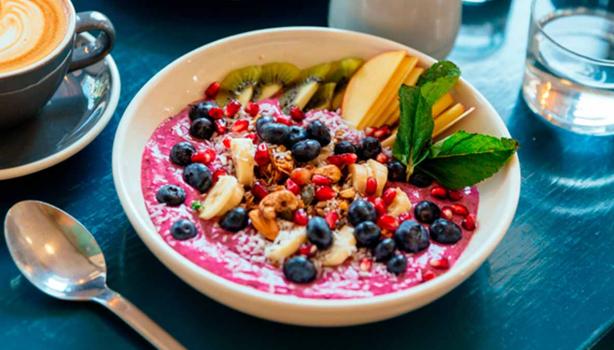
[[39, 50]]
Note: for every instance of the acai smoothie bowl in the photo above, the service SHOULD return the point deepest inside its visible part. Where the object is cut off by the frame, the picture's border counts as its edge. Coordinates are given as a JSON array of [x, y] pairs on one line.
[[318, 189]]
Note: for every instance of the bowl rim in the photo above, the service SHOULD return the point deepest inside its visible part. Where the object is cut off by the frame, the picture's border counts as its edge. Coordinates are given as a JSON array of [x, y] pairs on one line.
[[173, 260]]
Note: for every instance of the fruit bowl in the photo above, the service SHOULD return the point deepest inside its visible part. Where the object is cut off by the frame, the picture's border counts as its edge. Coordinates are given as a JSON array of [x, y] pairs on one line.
[[183, 81]]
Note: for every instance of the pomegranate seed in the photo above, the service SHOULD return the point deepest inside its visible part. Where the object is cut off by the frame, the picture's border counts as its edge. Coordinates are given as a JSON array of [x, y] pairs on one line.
[[300, 176], [282, 119], [205, 156], [440, 263], [439, 192], [469, 222], [455, 195], [381, 133], [331, 219], [380, 206], [389, 196], [366, 264], [428, 275], [459, 209], [252, 136], [216, 113], [447, 213], [240, 125], [226, 142], [262, 154], [321, 180], [324, 193], [382, 158], [216, 174], [369, 131], [306, 249], [232, 108], [220, 126], [297, 114], [293, 187], [252, 109], [371, 186], [300, 217], [404, 217], [343, 159], [259, 190], [212, 90], [388, 222]]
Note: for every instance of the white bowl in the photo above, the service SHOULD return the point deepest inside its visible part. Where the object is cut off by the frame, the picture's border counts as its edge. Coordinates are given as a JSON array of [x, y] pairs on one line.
[[184, 80]]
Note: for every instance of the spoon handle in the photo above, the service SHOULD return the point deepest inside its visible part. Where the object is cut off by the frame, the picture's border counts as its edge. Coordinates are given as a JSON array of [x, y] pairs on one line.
[[140, 322]]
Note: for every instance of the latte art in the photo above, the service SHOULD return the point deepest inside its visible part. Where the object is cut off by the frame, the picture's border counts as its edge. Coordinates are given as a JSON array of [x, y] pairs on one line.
[[29, 31]]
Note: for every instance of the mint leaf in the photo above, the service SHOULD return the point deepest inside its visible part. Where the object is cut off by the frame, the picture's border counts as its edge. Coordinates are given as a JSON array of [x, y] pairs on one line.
[[402, 149], [441, 69], [464, 159]]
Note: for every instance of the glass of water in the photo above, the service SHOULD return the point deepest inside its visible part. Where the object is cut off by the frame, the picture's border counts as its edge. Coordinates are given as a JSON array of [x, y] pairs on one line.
[[569, 71]]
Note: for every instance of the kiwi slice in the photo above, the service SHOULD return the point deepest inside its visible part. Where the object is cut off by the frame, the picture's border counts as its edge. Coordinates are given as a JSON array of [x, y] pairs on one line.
[[337, 98], [344, 69], [323, 97], [308, 83], [239, 84], [274, 77]]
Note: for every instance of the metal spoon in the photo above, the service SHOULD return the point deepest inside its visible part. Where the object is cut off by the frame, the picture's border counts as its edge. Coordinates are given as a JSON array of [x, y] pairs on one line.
[[60, 256]]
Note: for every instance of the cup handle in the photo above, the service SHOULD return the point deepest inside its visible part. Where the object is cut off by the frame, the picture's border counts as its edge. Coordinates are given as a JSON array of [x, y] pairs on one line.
[[92, 52]]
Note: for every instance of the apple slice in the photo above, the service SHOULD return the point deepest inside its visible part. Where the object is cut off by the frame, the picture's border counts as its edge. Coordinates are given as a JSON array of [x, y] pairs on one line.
[[392, 112], [450, 117], [367, 84]]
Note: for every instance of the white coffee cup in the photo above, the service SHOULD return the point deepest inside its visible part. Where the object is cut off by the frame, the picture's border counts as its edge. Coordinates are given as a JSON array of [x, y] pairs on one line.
[[430, 26]]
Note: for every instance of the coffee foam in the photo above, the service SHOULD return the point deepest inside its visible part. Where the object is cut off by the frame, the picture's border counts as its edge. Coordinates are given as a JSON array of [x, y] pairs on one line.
[[30, 30]]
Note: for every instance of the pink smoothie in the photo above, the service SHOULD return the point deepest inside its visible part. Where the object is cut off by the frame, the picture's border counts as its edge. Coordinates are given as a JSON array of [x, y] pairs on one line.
[[240, 257]]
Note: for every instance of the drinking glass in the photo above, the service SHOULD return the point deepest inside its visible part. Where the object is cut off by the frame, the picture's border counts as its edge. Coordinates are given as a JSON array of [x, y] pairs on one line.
[[569, 70]]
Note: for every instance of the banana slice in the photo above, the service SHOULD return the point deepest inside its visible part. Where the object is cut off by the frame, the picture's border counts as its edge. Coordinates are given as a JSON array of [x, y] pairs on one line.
[[401, 203], [359, 173], [344, 245], [225, 195], [243, 151], [285, 244], [380, 172]]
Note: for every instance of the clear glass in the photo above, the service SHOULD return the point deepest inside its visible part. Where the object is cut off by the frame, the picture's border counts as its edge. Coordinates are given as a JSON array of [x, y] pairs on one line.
[[569, 71]]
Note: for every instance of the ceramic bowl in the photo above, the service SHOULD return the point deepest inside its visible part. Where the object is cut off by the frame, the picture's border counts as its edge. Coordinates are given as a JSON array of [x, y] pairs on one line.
[[184, 80]]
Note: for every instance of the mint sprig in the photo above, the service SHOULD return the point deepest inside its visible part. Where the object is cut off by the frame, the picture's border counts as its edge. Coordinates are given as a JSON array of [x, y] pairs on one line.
[[464, 159]]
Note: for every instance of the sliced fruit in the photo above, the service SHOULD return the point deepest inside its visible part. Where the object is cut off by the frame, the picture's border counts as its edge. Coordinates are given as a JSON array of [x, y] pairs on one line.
[[238, 84], [367, 84], [442, 104], [323, 97], [266, 227], [274, 77], [392, 113], [450, 117], [344, 70], [400, 204], [285, 244], [344, 245], [226, 194], [243, 151], [308, 83], [338, 98], [359, 174], [380, 172]]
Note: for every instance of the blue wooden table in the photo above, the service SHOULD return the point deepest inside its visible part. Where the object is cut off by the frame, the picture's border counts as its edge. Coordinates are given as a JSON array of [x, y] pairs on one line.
[[549, 285]]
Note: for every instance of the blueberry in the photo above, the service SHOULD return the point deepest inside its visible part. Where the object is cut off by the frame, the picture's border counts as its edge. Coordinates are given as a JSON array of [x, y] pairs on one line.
[[170, 195], [427, 212], [396, 171], [181, 153], [318, 131], [197, 176], [260, 122], [343, 147], [367, 233], [397, 264], [411, 237], [384, 249], [202, 128], [420, 179], [360, 210], [183, 229], [235, 220], [445, 231], [299, 269], [306, 150], [295, 135], [369, 148], [201, 110], [319, 233], [275, 133]]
